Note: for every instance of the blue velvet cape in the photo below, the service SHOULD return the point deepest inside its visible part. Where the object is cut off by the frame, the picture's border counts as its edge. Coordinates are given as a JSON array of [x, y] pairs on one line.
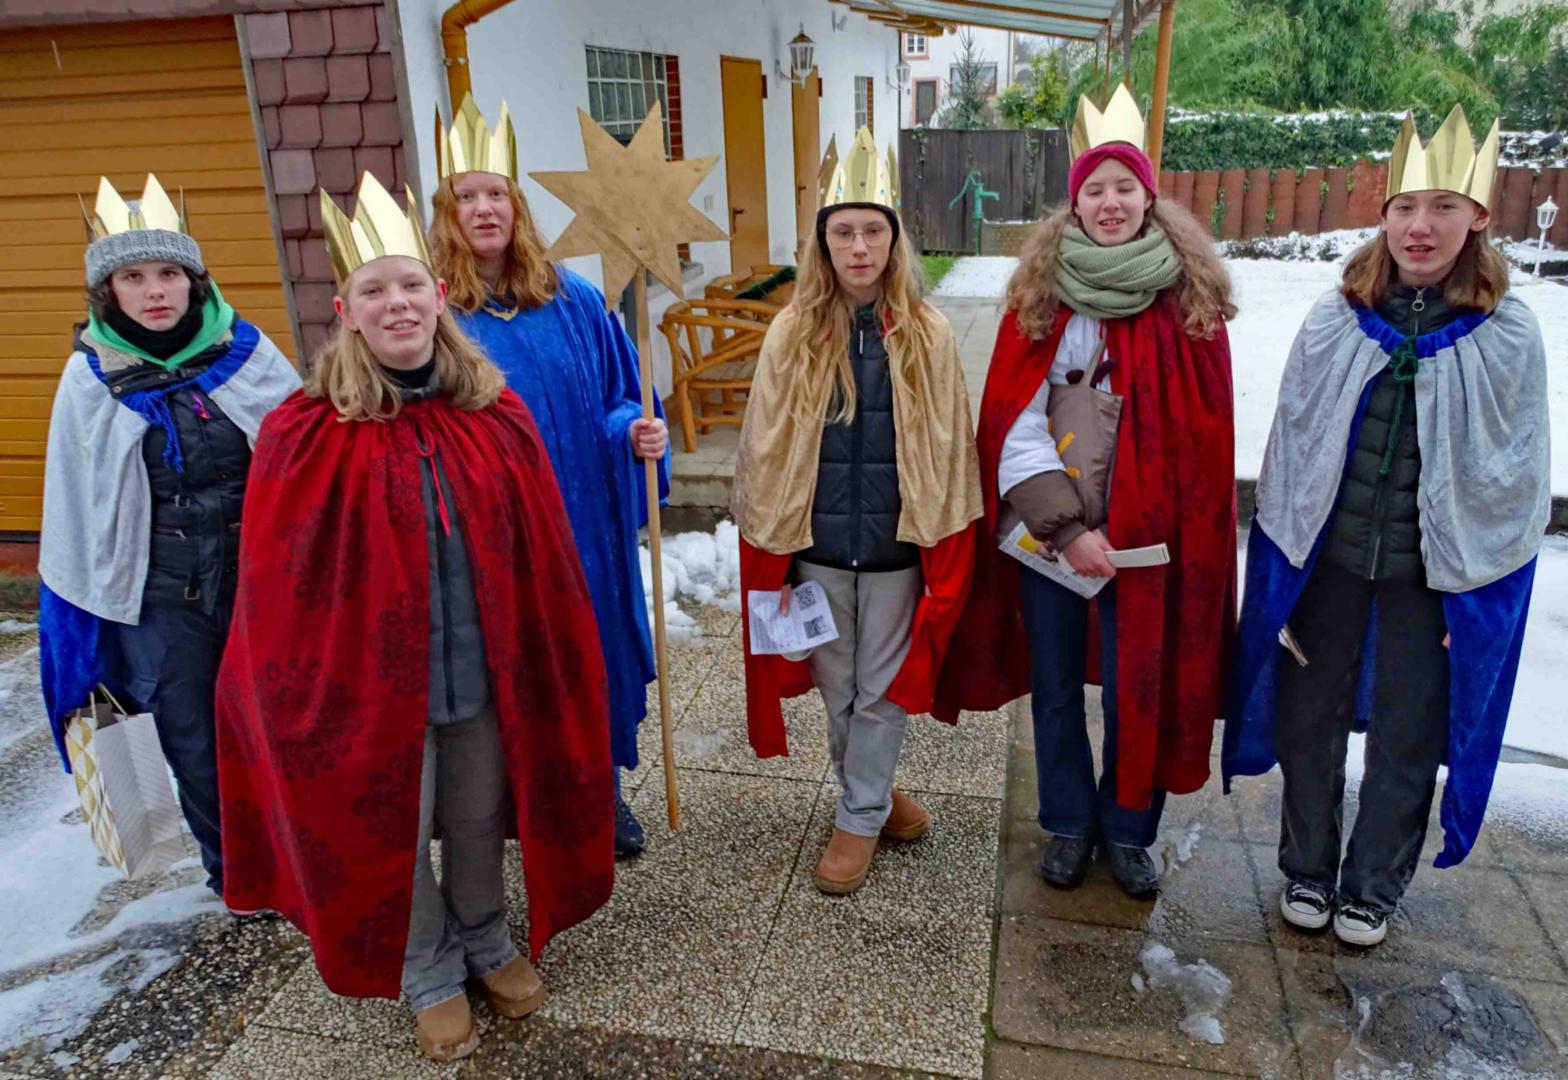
[[575, 368], [1486, 629]]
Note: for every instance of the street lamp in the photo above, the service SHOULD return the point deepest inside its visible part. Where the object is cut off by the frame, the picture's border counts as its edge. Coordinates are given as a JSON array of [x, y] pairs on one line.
[[1545, 216]]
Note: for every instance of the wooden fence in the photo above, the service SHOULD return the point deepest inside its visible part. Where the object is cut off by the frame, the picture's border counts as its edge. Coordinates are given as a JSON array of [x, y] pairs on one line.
[[1245, 203], [1027, 170]]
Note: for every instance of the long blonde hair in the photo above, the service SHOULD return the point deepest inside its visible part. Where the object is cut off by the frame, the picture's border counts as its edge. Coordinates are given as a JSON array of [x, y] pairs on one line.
[[1205, 286], [347, 373], [1478, 280], [529, 280], [818, 339]]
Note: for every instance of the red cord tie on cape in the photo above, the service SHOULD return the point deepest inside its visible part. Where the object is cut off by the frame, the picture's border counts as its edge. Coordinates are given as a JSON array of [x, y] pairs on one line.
[[428, 453]]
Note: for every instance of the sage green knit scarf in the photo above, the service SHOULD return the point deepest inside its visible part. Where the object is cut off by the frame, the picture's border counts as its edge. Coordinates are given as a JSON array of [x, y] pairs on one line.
[[1113, 282]]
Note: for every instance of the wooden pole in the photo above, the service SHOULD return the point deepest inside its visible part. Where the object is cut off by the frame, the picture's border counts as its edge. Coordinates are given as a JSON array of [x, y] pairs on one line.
[[1162, 75], [672, 798], [1127, 18]]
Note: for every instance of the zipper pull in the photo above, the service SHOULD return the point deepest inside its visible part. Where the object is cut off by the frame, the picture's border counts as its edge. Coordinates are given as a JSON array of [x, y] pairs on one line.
[[1418, 305]]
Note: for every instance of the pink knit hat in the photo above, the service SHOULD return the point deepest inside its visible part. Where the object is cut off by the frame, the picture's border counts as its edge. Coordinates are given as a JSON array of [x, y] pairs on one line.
[[1126, 153]]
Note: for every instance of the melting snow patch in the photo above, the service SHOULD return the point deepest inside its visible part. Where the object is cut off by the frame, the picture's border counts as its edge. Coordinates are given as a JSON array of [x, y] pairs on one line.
[[704, 567], [1202, 987], [17, 626], [122, 1051]]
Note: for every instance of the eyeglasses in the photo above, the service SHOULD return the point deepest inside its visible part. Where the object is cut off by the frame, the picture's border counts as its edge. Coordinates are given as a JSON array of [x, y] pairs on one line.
[[875, 236]]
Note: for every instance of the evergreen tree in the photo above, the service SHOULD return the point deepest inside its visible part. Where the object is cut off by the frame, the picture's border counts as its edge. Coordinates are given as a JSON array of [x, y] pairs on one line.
[[969, 104]]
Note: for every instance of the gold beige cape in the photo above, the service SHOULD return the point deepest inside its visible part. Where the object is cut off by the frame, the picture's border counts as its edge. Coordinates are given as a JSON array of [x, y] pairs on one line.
[[938, 467]]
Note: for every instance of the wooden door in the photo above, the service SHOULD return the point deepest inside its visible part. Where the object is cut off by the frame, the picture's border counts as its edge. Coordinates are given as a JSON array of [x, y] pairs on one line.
[[806, 103], [745, 162], [122, 100]]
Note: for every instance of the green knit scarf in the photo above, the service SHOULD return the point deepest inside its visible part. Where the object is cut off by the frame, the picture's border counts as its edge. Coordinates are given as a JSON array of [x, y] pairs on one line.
[[1113, 282], [216, 319]]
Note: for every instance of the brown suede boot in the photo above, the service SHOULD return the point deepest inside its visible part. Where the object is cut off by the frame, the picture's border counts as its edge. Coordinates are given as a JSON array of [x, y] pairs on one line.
[[845, 862], [908, 821], [515, 989], [447, 1031]]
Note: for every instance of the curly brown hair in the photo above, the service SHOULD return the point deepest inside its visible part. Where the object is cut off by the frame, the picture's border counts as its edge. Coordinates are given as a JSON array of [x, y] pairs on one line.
[[1204, 283]]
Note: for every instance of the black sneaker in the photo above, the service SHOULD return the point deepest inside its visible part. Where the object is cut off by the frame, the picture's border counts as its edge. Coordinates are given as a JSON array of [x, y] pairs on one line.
[[1306, 904], [1066, 860], [1358, 925], [629, 836], [1133, 870]]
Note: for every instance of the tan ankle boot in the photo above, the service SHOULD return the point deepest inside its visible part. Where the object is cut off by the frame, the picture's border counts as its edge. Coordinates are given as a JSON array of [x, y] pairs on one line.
[[845, 862], [908, 821], [514, 990], [447, 1031]]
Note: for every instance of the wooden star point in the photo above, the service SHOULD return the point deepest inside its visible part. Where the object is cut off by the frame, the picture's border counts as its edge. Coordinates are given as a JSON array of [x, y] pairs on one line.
[[632, 206]]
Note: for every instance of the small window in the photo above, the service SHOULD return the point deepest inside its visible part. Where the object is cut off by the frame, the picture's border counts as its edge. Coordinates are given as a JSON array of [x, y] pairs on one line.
[[622, 87], [987, 78], [915, 47], [865, 103]]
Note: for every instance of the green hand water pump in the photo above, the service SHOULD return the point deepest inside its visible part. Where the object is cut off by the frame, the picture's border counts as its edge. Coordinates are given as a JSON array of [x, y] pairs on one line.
[[972, 181]]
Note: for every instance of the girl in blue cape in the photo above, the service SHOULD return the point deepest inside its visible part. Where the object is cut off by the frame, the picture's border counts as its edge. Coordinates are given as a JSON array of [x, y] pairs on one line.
[[573, 365], [1401, 505]]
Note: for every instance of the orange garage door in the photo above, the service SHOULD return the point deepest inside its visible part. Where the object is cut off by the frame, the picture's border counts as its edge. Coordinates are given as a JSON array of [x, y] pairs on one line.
[[119, 100]]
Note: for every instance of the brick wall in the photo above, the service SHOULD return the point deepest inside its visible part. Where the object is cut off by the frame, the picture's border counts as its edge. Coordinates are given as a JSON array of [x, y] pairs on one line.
[[1244, 203], [327, 94]]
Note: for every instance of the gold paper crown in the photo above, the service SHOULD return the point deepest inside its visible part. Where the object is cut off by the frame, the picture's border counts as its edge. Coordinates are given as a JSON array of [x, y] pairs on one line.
[[112, 214], [1120, 122], [470, 146], [1449, 162], [379, 228], [862, 178]]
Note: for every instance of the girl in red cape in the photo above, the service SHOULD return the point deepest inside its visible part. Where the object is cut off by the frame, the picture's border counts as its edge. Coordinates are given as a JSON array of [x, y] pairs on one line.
[[857, 471], [413, 647], [1118, 267]]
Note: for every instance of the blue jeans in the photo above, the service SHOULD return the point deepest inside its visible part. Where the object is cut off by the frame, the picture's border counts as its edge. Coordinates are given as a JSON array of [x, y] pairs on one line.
[[1071, 803]]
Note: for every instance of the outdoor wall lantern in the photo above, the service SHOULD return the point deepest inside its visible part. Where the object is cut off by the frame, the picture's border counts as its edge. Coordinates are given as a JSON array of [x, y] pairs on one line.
[[1545, 217], [802, 53], [902, 71]]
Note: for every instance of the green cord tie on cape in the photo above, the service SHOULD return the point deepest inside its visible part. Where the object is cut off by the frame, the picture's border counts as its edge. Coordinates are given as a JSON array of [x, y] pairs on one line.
[[1402, 367], [1113, 282], [217, 317]]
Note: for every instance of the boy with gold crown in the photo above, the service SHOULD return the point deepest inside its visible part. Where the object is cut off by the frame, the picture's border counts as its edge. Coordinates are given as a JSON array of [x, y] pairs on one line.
[[413, 647], [1118, 296], [856, 471], [573, 365], [149, 453], [1401, 505]]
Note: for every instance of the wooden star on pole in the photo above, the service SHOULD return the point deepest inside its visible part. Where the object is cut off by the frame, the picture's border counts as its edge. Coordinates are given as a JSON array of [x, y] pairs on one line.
[[632, 206]]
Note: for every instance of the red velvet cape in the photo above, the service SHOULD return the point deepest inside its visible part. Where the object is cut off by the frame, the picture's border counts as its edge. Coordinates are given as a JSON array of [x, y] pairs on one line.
[[323, 691], [946, 567], [1173, 483]]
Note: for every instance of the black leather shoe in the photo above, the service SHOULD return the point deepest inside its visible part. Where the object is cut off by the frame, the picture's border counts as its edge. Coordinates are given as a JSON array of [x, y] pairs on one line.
[[1066, 860], [1133, 870]]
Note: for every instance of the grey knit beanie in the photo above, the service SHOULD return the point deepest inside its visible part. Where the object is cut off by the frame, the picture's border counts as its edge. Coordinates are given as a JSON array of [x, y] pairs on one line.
[[109, 253]]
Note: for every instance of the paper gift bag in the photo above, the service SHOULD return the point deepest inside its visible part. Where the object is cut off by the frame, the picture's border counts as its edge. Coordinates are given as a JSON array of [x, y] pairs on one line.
[[123, 784]]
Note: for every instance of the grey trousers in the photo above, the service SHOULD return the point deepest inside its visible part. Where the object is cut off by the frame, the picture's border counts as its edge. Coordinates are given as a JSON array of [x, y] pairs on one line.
[[457, 930], [874, 613]]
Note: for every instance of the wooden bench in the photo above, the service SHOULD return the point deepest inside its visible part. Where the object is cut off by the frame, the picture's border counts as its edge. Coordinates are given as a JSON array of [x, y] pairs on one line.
[[714, 344]]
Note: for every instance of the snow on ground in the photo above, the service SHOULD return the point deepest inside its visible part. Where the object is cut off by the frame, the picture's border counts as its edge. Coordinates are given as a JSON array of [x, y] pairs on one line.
[[977, 275], [1272, 298], [51, 877], [704, 567]]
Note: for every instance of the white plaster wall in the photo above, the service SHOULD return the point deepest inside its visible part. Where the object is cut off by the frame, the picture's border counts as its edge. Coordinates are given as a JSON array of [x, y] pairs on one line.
[[532, 55], [991, 45]]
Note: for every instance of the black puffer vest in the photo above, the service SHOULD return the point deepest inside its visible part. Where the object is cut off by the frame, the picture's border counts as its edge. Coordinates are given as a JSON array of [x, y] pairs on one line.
[[195, 544], [1375, 532], [854, 517]]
